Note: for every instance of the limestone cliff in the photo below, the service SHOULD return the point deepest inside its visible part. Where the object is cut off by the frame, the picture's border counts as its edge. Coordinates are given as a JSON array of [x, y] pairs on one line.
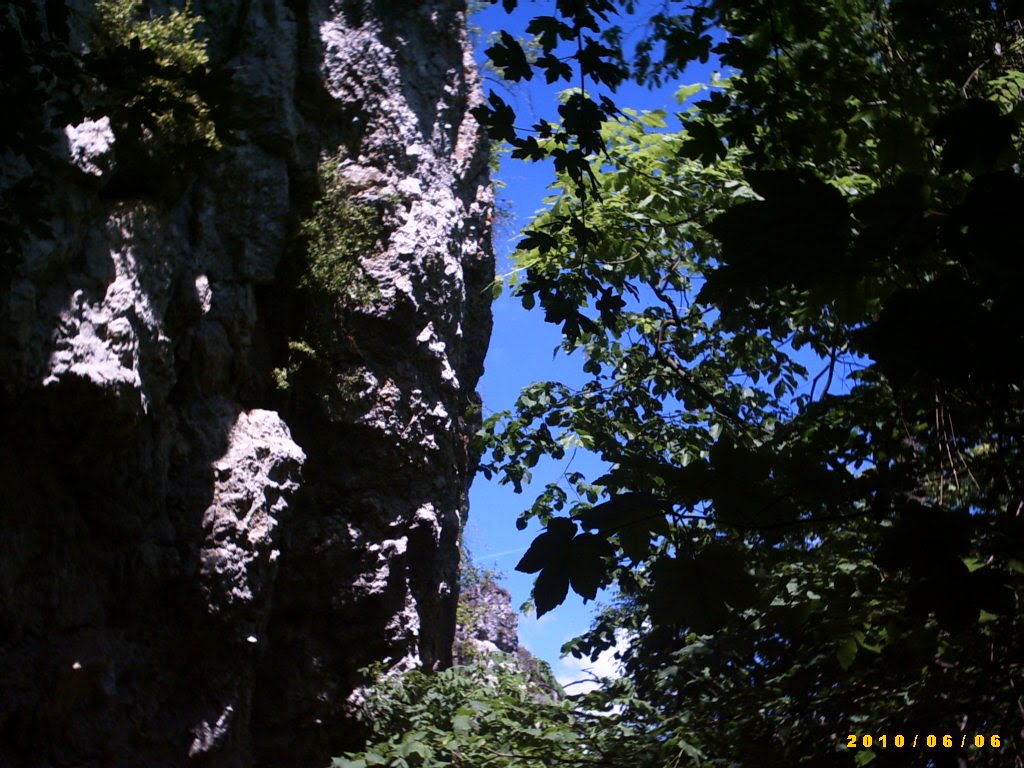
[[487, 625], [243, 312]]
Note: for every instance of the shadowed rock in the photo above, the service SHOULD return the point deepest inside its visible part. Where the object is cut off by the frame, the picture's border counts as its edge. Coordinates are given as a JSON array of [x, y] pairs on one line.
[[198, 552]]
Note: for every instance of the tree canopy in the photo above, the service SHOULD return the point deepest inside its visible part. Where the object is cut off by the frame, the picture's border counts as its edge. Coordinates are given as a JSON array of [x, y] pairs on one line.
[[800, 316]]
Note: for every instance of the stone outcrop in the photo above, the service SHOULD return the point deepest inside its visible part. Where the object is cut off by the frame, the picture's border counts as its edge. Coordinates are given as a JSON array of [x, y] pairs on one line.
[[237, 394], [487, 631], [488, 624]]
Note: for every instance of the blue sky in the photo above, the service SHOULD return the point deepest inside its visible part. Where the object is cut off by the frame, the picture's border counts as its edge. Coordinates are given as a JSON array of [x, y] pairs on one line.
[[522, 347]]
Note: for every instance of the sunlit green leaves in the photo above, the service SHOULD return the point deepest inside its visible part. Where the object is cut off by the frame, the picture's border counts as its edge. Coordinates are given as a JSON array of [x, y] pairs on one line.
[[497, 715], [152, 73], [846, 652]]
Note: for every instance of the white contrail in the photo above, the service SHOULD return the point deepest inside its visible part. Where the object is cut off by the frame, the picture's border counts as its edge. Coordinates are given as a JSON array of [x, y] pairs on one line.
[[507, 552]]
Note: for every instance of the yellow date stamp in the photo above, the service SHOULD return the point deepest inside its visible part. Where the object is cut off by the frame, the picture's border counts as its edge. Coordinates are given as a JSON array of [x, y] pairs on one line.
[[923, 741]]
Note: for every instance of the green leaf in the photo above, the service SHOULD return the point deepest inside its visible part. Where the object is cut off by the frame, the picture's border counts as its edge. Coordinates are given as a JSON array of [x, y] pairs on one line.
[[864, 756], [508, 56], [846, 652], [462, 724], [551, 588], [586, 565], [724, 567], [687, 92], [703, 143], [623, 510], [550, 547]]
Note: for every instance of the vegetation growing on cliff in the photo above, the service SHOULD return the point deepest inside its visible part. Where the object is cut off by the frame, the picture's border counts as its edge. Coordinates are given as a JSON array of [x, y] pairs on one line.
[[469, 614], [148, 75], [150, 69], [340, 230]]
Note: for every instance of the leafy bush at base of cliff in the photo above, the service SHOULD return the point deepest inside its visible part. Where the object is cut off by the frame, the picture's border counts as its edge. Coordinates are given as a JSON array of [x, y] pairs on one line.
[[470, 716]]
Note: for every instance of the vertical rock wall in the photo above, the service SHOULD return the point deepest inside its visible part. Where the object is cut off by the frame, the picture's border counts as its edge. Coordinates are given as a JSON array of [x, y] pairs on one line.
[[229, 482]]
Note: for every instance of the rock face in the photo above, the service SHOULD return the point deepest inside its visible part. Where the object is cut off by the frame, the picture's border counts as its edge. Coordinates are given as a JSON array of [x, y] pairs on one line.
[[487, 621], [237, 395], [487, 624]]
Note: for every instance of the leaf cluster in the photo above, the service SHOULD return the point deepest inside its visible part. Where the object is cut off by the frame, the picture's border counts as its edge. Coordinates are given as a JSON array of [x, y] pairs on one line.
[[152, 73], [493, 715], [797, 304]]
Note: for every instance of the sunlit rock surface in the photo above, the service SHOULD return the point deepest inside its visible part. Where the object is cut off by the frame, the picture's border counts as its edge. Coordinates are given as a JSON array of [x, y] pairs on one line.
[[196, 557]]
